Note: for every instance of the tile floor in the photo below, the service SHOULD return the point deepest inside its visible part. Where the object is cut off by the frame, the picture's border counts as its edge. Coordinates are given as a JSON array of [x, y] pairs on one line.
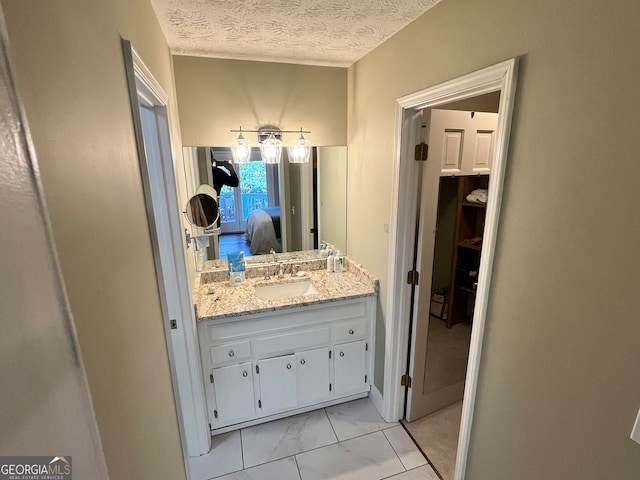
[[346, 441]]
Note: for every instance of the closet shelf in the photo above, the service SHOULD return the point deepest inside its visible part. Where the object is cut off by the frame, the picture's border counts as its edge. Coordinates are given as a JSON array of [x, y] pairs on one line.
[[473, 204], [470, 246]]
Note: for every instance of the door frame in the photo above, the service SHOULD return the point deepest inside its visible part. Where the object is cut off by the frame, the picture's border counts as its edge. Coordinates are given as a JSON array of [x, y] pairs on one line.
[[182, 345], [500, 77]]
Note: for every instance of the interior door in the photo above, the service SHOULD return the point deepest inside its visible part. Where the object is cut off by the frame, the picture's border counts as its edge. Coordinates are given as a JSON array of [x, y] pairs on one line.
[[459, 144]]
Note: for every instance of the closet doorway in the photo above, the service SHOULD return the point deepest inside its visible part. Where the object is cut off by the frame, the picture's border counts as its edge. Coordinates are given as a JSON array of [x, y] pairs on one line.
[[461, 139], [410, 382]]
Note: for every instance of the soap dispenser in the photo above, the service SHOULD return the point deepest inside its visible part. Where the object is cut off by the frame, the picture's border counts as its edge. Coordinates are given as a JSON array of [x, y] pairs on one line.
[[338, 262], [330, 260]]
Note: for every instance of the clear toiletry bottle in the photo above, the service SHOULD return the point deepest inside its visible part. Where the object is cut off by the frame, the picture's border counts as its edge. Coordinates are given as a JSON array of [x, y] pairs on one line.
[[330, 260], [338, 262]]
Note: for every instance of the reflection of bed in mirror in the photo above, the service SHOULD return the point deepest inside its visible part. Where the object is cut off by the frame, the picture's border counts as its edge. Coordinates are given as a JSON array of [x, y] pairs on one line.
[[262, 231]]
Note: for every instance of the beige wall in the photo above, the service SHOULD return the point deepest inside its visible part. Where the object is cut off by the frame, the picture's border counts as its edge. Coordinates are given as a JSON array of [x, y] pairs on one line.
[[217, 95], [559, 383], [70, 75]]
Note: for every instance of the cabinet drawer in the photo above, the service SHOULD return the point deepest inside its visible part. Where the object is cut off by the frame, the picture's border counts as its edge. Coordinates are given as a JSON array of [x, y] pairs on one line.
[[351, 330], [230, 352], [291, 342]]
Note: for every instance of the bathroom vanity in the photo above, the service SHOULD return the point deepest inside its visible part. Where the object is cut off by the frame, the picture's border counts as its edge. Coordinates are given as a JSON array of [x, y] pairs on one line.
[[282, 346]]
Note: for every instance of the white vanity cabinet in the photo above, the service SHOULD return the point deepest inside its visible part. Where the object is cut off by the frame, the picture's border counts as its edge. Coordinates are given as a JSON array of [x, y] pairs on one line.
[[268, 365]]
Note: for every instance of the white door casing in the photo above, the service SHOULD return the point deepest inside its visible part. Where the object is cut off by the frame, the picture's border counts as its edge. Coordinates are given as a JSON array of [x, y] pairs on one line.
[[149, 105], [500, 77]]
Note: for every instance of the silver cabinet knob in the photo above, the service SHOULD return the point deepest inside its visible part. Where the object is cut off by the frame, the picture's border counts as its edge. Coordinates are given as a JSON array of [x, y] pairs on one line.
[[288, 366], [342, 354], [351, 332], [244, 374], [231, 354], [302, 362]]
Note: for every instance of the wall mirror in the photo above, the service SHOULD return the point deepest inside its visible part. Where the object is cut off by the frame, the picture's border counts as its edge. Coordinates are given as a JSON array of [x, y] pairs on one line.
[[287, 207]]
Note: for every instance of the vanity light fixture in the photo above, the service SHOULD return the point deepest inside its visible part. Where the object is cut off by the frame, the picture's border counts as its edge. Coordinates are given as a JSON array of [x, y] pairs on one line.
[[300, 151], [240, 149], [270, 139], [271, 149]]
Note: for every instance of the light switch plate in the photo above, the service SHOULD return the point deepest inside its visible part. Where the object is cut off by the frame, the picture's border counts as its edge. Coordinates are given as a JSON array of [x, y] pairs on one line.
[[635, 433]]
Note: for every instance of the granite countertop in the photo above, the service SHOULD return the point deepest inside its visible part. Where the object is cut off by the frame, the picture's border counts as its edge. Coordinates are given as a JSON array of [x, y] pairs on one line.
[[228, 301]]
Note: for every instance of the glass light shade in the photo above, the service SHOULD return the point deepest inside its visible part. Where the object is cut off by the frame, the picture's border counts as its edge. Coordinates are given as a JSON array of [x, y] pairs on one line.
[[300, 151], [240, 150], [271, 150]]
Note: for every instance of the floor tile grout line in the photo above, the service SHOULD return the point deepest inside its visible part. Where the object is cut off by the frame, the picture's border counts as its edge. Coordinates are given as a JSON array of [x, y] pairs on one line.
[[402, 473], [421, 451], [394, 450], [295, 459], [242, 450], [331, 423]]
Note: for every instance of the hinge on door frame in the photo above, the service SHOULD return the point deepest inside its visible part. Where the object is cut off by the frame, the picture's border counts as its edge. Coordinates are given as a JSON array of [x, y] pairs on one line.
[[413, 277], [366, 347], [405, 380], [421, 152], [211, 377], [365, 379], [257, 369], [329, 387], [259, 403], [215, 414], [329, 354], [173, 324]]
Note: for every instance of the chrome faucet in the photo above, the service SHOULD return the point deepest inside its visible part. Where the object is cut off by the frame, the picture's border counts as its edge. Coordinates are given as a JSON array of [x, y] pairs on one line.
[[280, 270], [294, 270], [266, 274]]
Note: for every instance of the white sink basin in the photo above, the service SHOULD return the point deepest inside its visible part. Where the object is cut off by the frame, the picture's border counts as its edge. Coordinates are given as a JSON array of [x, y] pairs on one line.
[[282, 290]]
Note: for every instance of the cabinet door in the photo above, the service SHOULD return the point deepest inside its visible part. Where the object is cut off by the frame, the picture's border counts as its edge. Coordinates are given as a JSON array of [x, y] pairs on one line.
[[350, 367], [462, 142], [312, 375], [233, 390], [278, 383]]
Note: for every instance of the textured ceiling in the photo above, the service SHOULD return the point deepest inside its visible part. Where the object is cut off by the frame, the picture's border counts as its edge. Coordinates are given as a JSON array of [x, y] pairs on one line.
[[313, 32]]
